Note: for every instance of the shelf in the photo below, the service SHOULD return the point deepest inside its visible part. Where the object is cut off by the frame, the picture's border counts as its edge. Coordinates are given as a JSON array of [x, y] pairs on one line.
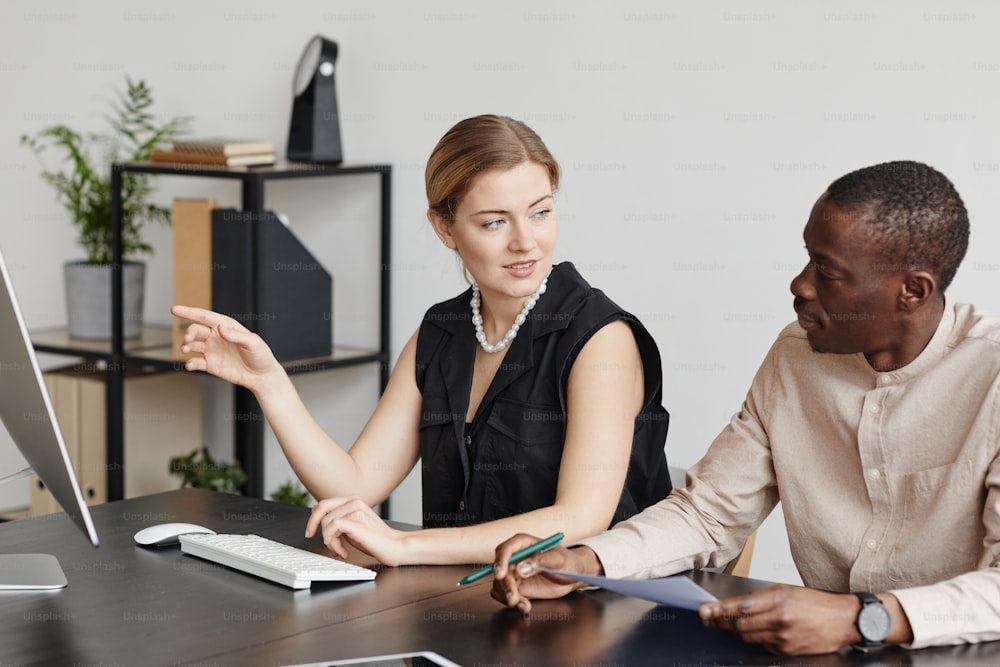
[[154, 346], [279, 170], [339, 357], [58, 341]]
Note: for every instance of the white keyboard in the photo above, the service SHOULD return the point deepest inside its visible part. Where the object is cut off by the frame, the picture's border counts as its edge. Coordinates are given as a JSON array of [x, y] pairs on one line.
[[289, 566]]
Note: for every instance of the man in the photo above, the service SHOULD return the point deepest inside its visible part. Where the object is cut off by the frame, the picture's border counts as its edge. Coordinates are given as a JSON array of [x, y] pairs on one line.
[[875, 419]]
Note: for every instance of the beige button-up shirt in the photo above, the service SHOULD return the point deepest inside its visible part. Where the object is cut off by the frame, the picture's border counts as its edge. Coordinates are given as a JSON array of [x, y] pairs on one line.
[[888, 481]]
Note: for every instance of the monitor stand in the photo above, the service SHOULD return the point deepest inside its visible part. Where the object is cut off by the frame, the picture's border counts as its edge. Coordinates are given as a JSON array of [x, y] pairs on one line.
[[19, 572], [29, 572]]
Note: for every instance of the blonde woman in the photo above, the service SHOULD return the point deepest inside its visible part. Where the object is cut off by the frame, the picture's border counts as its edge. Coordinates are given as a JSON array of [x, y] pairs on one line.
[[531, 400]]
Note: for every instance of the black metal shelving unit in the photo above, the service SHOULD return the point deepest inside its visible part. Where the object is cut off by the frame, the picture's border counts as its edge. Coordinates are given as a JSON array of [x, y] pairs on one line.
[[153, 347]]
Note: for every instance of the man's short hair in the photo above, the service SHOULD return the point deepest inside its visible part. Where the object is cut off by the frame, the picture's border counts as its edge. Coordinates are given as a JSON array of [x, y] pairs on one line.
[[913, 214]]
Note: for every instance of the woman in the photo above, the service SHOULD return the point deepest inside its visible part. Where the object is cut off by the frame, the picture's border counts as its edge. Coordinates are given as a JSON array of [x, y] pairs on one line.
[[532, 400]]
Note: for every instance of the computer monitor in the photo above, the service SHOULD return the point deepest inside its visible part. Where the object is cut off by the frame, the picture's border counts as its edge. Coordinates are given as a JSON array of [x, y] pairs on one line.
[[26, 412]]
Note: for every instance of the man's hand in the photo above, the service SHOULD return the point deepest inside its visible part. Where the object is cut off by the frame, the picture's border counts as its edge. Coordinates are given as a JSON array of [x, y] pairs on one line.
[[515, 585], [788, 620]]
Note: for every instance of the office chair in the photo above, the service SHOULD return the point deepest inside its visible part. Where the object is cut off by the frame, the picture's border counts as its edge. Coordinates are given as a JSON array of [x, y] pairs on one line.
[[740, 566]]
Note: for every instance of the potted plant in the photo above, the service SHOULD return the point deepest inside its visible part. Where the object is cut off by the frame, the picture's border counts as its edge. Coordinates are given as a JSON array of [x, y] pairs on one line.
[[83, 187], [291, 492], [200, 469]]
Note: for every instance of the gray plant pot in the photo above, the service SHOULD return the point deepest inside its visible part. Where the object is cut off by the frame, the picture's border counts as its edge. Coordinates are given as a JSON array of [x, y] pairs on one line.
[[88, 299]]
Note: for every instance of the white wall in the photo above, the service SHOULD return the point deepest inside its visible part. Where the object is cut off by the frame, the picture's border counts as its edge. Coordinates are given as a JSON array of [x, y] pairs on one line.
[[694, 139]]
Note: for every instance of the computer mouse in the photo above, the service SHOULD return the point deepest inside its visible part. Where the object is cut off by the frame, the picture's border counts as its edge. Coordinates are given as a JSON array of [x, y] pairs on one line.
[[167, 533]]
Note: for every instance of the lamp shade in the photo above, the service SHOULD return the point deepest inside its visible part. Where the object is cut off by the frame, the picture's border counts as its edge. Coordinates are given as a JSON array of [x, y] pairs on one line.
[[314, 132]]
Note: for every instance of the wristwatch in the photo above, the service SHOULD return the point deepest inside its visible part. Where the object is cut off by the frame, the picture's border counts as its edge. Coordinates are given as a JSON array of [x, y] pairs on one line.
[[873, 622]]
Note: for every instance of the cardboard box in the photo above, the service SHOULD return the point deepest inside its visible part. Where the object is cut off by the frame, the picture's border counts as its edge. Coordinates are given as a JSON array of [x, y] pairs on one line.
[[162, 420], [192, 230]]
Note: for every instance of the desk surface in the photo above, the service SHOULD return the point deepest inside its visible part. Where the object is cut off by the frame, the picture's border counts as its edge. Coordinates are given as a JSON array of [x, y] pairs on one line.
[[126, 605]]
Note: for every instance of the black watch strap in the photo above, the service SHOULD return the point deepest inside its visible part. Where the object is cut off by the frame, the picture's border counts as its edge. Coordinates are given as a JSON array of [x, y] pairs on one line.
[[868, 598]]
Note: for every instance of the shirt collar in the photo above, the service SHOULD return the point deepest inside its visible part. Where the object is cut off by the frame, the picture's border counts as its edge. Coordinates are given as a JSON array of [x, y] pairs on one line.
[[932, 353]]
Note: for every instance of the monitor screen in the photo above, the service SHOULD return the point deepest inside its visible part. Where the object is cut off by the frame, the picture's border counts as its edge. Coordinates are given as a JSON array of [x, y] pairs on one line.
[[27, 414]]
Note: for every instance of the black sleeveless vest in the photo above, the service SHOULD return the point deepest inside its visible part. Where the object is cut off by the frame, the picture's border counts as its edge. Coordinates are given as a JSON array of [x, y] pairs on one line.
[[506, 462]]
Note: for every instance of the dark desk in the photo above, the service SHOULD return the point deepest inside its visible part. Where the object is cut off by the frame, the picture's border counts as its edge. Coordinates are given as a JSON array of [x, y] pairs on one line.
[[131, 606]]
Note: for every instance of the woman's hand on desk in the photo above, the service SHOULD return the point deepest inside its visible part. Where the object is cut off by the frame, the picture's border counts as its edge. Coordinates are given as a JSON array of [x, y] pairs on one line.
[[225, 348], [516, 584], [352, 521]]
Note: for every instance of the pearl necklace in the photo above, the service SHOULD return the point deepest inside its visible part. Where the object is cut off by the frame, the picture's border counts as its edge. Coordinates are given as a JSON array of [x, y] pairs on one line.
[[477, 319]]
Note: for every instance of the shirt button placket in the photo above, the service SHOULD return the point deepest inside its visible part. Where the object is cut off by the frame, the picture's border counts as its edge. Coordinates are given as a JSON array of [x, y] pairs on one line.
[[870, 453]]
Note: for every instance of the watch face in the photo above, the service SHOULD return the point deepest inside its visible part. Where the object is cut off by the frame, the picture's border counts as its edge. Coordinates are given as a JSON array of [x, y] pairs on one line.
[[873, 623]]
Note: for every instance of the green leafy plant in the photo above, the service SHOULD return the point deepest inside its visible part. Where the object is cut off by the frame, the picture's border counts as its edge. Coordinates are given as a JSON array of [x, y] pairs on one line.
[[201, 470], [291, 492], [84, 185]]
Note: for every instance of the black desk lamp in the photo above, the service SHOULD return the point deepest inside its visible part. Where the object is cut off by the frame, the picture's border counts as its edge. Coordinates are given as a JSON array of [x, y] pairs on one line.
[[314, 134]]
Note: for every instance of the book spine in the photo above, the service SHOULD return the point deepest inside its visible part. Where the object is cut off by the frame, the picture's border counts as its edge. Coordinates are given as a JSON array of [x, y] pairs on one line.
[[223, 148], [176, 157]]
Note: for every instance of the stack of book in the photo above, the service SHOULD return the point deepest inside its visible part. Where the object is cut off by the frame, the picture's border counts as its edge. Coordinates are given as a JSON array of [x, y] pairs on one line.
[[218, 151]]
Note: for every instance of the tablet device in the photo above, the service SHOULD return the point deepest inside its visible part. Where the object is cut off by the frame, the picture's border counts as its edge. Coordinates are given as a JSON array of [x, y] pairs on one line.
[[416, 659]]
